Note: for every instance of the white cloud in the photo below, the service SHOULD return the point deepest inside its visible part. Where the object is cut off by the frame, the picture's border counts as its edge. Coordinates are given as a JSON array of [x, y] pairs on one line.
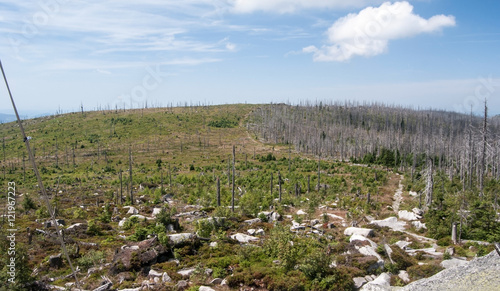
[[368, 32], [290, 6]]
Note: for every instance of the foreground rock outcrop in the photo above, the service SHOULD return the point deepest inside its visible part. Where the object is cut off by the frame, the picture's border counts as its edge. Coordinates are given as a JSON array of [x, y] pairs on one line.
[[480, 274]]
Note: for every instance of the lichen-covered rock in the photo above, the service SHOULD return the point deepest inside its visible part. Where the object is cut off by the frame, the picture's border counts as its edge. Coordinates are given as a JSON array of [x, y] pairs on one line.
[[139, 256], [391, 222], [366, 232], [480, 274], [243, 238]]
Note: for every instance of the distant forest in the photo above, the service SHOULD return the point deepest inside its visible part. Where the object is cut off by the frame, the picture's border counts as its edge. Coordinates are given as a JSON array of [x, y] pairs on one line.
[[458, 144]]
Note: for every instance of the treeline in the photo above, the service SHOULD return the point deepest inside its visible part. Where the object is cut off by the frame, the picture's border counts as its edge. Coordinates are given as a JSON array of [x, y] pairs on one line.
[[390, 135], [451, 159]]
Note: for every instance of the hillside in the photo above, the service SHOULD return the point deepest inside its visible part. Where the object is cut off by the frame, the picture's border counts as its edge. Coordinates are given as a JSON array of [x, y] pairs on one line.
[[302, 220]]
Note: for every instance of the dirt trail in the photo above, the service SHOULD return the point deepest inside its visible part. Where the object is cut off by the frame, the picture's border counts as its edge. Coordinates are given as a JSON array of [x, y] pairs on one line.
[[398, 196]]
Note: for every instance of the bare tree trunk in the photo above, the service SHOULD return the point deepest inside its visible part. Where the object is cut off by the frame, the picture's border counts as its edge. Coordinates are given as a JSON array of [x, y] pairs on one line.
[[289, 158], [130, 174], [218, 191], [483, 153], [271, 186], [161, 183], [319, 172], [279, 185], [229, 172], [57, 157], [234, 170], [121, 188], [454, 233], [169, 176], [429, 190]]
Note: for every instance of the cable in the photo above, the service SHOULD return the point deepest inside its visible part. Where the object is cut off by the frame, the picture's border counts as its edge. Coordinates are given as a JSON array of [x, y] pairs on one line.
[[39, 178]]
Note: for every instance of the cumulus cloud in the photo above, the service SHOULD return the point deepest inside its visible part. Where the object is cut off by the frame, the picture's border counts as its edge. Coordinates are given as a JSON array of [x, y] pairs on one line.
[[290, 6], [368, 32]]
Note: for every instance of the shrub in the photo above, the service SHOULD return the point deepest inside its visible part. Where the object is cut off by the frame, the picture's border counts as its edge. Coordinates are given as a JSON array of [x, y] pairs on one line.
[[79, 214], [401, 259], [91, 259], [315, 265], [446, 256], [93, 228], [204, 228], [223, 122], [423, 271], [444, 242], [279, 246], [140, 234], [28, 203], [163, 239]]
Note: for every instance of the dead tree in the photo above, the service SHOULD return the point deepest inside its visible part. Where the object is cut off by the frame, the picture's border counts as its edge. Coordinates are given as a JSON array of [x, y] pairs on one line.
[[130, 175], [271, 186], [319, 173], [121, 188], [234, 172], [429, 188], [482, 170], [218, 191]]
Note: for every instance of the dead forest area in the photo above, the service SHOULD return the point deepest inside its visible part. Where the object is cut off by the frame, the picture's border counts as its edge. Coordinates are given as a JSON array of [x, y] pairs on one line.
[[339, 196]]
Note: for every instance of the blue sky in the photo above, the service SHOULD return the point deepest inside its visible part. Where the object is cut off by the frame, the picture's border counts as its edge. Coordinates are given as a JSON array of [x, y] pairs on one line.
[[59, 54]]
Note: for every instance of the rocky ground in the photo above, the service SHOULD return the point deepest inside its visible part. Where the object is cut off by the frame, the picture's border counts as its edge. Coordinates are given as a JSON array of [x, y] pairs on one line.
[[372, 242]]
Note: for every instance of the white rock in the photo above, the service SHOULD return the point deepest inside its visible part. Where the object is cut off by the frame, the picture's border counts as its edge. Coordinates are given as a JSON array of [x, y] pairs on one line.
[[274, 217], [243, 238], [259, 232], [165, 278], [301, 212], [402, 244], [403, 275], [430, 251], [362, 238], [156, 211], [391, 222], [371, 251], [131, 210], [216, 281], [409, 216], [213, 244], [252, 221], [418, 211], [453, 262], [335, 216], [204, 288], [359, 282], [180, 237], [366, 232], [251, 231], [418, 225], [383, 282], [153, 273], [186, 272], [413, 193], [76, 226]]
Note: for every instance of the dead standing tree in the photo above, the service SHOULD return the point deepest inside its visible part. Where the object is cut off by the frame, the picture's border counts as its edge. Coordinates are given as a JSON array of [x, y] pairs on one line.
[[234, 170], [130, 175], [429, 187]]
